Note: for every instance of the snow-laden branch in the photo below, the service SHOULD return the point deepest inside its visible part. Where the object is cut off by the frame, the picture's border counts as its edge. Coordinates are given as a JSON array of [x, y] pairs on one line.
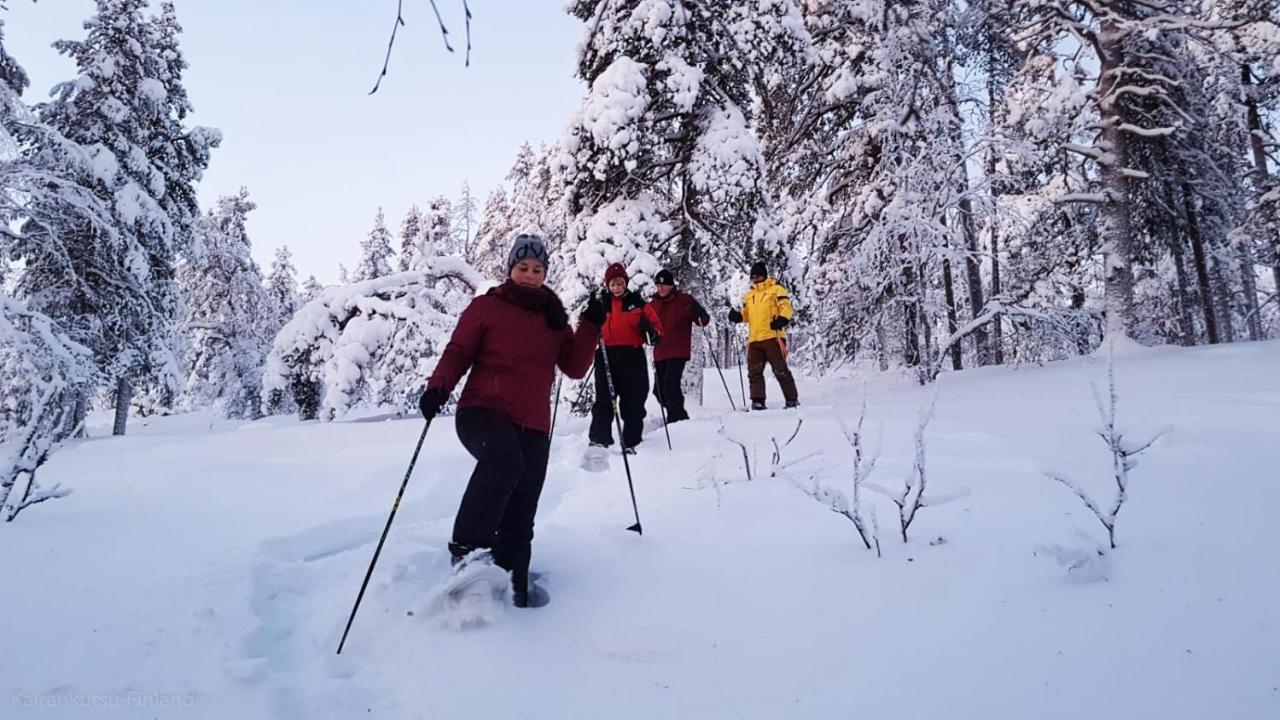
[[373, 340]]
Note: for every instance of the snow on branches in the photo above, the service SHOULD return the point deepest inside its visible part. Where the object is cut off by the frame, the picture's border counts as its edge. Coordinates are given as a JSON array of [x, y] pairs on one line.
[[369, 343], [40, 369]]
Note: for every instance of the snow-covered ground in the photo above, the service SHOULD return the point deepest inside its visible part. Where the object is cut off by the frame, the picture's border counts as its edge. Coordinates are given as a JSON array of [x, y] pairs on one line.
[[206, 569]]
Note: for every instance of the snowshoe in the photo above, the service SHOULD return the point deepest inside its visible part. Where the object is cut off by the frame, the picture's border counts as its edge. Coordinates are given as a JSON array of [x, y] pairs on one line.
[[596, 458], [473, 595]]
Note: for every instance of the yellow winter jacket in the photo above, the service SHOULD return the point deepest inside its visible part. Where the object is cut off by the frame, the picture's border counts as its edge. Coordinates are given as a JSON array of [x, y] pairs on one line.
[[765, 301]]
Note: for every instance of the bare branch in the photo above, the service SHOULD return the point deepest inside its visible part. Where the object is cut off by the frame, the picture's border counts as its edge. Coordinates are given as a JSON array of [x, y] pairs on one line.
[[390, 44]]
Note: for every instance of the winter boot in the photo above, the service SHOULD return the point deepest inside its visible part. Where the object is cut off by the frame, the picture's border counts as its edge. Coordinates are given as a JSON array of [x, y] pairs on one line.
[[758, 405], [534, 597], [793, 403]]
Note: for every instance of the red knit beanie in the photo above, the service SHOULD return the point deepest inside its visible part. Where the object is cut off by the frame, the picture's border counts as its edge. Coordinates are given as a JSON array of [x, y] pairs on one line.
[[615, 271]]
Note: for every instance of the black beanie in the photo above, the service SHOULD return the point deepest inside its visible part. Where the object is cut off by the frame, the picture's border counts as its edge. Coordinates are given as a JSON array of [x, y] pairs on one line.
[[759, 270], [664, 277]]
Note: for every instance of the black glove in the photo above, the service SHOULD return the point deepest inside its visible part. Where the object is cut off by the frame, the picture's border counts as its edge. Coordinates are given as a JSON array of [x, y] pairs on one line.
[[431, 401], [595, 312], [735, 316], [778, 323], [698, 310], [647, 329]]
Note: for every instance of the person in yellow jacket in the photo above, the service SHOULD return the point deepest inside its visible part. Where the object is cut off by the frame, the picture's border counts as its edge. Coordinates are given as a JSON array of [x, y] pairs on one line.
[[767, 311]]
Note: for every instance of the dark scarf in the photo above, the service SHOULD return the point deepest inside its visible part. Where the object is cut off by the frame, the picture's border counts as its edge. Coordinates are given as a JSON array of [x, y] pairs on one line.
[[540, 300]]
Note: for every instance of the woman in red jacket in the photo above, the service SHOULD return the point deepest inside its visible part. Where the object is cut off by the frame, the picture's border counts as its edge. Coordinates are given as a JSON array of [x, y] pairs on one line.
[[628, 324], [511, 339]]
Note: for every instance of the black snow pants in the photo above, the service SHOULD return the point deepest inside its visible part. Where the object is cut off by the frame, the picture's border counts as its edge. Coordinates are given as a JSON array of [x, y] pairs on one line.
[[501, 499], [631, 383], [667, 375]]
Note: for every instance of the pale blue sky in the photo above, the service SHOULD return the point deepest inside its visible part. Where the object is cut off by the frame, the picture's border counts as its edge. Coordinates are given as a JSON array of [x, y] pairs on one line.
[[287, 82]]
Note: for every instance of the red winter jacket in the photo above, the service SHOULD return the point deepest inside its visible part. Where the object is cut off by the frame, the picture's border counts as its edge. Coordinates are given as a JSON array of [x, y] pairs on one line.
[[513, 354], [678, 317], [622, 323]]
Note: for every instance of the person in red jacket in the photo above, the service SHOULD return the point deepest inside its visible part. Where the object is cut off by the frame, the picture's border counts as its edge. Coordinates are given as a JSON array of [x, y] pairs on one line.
[[512, 339], [679, 312], [628, 324]]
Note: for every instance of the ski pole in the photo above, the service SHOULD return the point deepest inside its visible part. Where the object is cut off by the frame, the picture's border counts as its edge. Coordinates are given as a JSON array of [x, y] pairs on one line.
[[716, 360], [555, 410], [741, 385], [390, 518], [662, 403], [617, 418]]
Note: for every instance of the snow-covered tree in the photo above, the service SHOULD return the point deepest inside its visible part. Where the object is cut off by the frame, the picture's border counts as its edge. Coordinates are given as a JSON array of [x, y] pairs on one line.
[[410, 236], [228, 314], [375, 251], [369, 343], [464, 219], [437, 231], [282, 289], [310, 289], [663, 140], [126, 107], [41, 370], [488, 254]]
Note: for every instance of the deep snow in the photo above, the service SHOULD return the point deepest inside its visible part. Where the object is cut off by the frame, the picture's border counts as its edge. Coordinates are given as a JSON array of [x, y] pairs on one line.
[[213, 564]]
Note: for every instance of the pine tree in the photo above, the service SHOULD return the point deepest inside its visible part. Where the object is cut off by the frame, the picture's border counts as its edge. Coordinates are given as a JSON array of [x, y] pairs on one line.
[[310, 289], [437, 231], [464, 219], [488, 254], [228, 314], [410, 236], [127, 105], [375, 252], [282, 289]]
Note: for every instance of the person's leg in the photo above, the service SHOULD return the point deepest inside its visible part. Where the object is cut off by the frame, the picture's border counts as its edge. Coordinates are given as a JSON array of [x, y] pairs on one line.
[[632, 376], [755, 371], [674, 391], [512, 549], [659, 382], [778, 362], [493, 441], [602, 409]]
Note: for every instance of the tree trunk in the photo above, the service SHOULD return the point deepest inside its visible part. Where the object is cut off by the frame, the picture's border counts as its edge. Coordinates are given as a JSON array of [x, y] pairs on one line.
[[1186, 322], [982, 351], [997, 335], [910, 314], [952, 321], [124, 395], [973, 277], [1226, 326], [1202, 267], [1256, 135], [74, 425], [1252, 311], [1113, 216]]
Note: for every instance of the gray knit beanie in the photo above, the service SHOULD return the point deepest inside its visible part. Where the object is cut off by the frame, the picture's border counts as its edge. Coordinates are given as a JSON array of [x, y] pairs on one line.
[[528, 247]]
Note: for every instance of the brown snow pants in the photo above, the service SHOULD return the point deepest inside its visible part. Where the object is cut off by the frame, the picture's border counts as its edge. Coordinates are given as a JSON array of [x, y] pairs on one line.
[[774, 353]]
